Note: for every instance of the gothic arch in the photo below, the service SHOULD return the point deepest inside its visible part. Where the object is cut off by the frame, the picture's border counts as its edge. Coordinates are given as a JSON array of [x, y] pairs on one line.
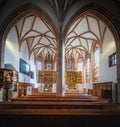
[[111, 22], [22, 11]]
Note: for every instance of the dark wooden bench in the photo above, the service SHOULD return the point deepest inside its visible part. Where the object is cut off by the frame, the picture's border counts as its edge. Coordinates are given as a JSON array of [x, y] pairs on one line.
[[50, 97], [56, 114], [51, 110], [58, 118], [55, 104]]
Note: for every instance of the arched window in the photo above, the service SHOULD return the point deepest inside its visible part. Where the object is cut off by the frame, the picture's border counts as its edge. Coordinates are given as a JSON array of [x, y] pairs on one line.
[[88, 70], [70, 63], [96, 62], [80, 65], [39, 65], [71, 66]]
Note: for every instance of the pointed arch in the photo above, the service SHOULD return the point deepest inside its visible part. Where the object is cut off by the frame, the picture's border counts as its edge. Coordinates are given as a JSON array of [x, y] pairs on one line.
[[22, 11], [109, 19]]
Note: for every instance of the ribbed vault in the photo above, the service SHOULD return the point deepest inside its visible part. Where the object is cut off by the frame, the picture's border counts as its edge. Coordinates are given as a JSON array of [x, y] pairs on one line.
[[83, 35], [38, 35]]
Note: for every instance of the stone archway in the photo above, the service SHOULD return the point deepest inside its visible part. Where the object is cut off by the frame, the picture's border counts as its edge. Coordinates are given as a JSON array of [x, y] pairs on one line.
[[12, 18], [94, 9], [22, 11], [111, 22]]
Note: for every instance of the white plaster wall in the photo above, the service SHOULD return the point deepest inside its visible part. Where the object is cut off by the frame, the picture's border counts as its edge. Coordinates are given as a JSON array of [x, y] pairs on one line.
[[24, 55], [107, 73], [12, 56]]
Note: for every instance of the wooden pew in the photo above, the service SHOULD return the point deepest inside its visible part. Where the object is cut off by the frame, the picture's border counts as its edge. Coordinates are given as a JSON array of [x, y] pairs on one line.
[[52, 97], [55, 113], [59, 118], [56, 99], [57, 105]]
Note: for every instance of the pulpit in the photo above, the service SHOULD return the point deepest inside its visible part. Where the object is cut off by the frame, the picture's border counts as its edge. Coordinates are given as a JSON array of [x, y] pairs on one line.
[[8, 81]]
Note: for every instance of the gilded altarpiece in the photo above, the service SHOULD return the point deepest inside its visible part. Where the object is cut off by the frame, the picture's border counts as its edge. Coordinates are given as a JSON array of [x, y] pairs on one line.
[[72, 78], [47, 77]]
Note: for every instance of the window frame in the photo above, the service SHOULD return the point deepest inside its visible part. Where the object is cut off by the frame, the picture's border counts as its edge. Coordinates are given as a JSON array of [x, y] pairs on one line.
[[112, 59], [96, 70]]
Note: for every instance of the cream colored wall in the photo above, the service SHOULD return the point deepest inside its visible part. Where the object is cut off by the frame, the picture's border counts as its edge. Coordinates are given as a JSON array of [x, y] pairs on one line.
[[107, 73], [12, 56]]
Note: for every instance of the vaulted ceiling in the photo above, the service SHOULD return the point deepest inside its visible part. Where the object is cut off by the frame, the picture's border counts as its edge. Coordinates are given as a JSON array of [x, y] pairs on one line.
[[83, 35], [38, 36], [79, 40]]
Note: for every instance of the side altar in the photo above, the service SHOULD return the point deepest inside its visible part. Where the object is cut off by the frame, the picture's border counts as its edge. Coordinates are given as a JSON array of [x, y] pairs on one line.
[[49, 78], [72, 78]]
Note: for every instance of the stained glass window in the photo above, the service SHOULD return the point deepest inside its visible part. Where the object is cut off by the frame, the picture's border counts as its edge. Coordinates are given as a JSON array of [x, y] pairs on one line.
[[96, 62], [88, 71], [80, 65]]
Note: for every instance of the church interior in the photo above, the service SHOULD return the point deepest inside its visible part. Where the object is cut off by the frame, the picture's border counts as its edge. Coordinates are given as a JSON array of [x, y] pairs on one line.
[[59, 63]]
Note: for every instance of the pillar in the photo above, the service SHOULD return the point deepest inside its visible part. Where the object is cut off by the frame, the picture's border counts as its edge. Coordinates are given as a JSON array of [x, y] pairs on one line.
[[2, 48], [60, 68], [118, 75]]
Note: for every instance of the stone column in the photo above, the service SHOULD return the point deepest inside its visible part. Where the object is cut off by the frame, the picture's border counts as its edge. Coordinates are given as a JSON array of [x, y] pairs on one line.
[[60, 68], [2, 50], [118, 75]]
